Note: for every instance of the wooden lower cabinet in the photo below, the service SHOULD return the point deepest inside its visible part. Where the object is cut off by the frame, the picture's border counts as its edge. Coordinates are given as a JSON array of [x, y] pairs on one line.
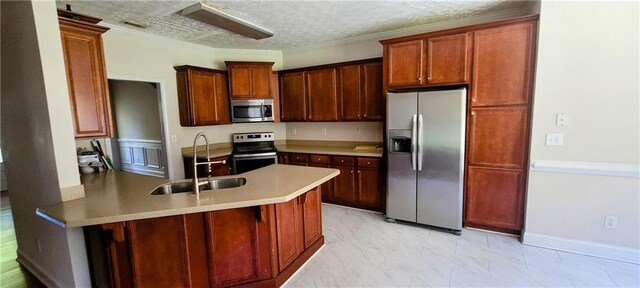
[[360, 183], [261, 246], [494, 198], [216, 169]]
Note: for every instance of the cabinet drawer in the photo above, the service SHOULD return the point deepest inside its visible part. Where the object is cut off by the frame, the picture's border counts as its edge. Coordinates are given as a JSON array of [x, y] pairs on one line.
[[294, 157], [343, 160], [369, 162], [319, 159]]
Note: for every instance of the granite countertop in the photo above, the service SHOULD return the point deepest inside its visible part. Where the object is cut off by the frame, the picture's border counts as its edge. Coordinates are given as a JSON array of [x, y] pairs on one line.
[[115, 196]]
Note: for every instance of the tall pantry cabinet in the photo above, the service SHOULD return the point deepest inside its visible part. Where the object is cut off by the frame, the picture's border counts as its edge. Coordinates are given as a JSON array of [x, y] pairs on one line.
[[495, 61]]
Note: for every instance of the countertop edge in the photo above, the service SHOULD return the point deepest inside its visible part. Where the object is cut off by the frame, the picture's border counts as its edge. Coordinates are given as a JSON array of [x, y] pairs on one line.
[[182, 211]]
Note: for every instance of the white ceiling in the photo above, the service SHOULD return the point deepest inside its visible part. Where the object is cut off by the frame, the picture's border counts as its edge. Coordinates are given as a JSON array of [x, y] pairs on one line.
[[294, 23]]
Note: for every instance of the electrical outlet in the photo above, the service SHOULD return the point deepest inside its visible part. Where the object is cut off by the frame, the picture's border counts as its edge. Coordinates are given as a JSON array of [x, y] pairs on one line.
[[38, 245], [555, 139], [174, 138], [562, 119], [324, 131], [294, 131], [611, 222], [357, 131]]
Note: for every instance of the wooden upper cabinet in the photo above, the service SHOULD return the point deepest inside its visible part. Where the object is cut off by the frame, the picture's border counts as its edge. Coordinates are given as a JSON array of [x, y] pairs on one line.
[[372, 100], [350, 92], [202, 96], [498, 137], [503, 65], [293, 101], [360, 91], [448, 59], [86, 77], [322, 95], [404, 63], [249, 79]]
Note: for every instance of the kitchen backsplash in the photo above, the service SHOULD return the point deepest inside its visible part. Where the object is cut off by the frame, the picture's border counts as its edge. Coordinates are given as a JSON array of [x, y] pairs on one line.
[[336, 131]]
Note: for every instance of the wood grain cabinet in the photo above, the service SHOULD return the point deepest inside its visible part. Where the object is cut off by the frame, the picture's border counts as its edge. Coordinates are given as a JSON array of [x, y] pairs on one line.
[[86, 74], [293, 102], [347, 91], [202, 96], [360, 92], [249, 79], [216, 169], [360, 183], [427, 61]]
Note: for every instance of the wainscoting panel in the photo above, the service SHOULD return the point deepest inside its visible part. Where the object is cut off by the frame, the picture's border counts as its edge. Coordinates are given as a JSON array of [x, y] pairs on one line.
[[142, 156]]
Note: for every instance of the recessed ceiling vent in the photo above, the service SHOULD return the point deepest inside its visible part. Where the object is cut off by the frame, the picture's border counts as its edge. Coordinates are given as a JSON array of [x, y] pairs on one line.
[[215, 17]]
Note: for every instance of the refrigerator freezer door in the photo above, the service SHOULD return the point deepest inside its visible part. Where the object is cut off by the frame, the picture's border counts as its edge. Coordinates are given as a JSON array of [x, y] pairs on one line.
[[440, 183], [401, 181]]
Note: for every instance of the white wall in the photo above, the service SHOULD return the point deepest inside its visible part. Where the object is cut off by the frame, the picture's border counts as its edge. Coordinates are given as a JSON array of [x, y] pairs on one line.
[[587, 67], [135, 109], [38, 141], [132, 55]]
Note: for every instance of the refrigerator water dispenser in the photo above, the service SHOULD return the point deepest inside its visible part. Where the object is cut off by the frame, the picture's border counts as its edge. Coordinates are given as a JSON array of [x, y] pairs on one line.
[[400, 141]]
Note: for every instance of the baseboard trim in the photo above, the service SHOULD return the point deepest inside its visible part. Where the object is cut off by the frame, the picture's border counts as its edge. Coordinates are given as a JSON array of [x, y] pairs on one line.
[[582, 247], [36, 271]]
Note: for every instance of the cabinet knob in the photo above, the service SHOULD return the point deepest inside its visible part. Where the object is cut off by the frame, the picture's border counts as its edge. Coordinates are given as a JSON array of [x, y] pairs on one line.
[[358, 172], [365, 115], [368, 163], [473, 113], [341, 161], [473, 99], [351, 171], [419, 78]]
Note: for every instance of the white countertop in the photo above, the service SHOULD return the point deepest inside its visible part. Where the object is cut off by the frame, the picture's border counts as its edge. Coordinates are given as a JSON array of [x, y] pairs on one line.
[[115, 196]]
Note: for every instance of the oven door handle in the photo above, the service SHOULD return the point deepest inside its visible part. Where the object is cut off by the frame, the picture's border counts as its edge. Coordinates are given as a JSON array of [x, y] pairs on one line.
[[266, 154]]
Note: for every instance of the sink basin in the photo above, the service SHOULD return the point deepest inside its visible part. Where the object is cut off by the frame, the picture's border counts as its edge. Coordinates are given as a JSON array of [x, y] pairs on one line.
[[182, 187]]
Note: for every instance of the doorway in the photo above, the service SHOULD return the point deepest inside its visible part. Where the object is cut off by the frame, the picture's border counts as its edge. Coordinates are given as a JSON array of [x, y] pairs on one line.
[[138, 141]]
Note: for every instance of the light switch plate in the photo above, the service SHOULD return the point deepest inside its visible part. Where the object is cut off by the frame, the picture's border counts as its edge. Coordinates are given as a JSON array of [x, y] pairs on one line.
[[562, 119], [555, 139]]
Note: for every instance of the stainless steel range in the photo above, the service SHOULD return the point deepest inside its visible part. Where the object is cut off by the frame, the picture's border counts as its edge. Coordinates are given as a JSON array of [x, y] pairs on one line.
[[253, 150]]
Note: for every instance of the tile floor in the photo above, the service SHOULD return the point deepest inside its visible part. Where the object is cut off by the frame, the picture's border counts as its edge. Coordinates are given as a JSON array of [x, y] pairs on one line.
[[363, 250]]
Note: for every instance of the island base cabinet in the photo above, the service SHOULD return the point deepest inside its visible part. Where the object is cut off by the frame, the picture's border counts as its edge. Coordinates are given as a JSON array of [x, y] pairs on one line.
[[259, 246]]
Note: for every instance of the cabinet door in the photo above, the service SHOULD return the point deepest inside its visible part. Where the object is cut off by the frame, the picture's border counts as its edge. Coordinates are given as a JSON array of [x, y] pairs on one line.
[[344, 185], [372, 99], [494, 197], [240, 76], [349, 91], [87, 82], [502, 65], [293, 98], [238, 246], [311, 216], [289, 232], [326, 187], [369, 188], [261, 81], [405, 63], [202, 98], [447, 59], [223, 109], [322, 95], [158, 252], [497, 137]]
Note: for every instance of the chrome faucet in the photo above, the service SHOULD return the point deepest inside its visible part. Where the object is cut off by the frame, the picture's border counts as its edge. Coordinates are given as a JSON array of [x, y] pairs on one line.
[[196, 181]]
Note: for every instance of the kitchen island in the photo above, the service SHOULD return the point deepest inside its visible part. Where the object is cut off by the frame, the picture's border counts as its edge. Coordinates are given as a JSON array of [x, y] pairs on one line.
[[257, 234]]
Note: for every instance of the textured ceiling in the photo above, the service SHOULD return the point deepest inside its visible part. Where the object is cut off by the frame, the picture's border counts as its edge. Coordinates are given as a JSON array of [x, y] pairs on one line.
[[294, 23]]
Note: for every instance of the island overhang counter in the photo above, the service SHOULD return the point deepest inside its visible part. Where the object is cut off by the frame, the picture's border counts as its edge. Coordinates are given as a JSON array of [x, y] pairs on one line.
[[257, 234]]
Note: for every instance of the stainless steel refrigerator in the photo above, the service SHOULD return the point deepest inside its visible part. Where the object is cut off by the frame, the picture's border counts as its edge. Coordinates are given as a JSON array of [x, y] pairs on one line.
[[426, 137]]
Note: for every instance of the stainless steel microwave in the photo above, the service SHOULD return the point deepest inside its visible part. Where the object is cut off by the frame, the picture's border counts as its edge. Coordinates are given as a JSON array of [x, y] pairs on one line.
[[254, 110]]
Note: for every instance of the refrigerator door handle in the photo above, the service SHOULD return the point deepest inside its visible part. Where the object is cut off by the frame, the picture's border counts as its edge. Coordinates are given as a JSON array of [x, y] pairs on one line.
[[413, 141], [420, 142]]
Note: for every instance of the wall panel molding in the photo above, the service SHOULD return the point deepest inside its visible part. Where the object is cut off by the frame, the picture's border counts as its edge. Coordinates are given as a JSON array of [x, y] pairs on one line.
[[142, 156], [590, 168]]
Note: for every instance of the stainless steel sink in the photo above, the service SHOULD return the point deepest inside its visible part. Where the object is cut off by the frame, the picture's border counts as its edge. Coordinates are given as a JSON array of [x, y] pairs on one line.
[[182, 187]]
